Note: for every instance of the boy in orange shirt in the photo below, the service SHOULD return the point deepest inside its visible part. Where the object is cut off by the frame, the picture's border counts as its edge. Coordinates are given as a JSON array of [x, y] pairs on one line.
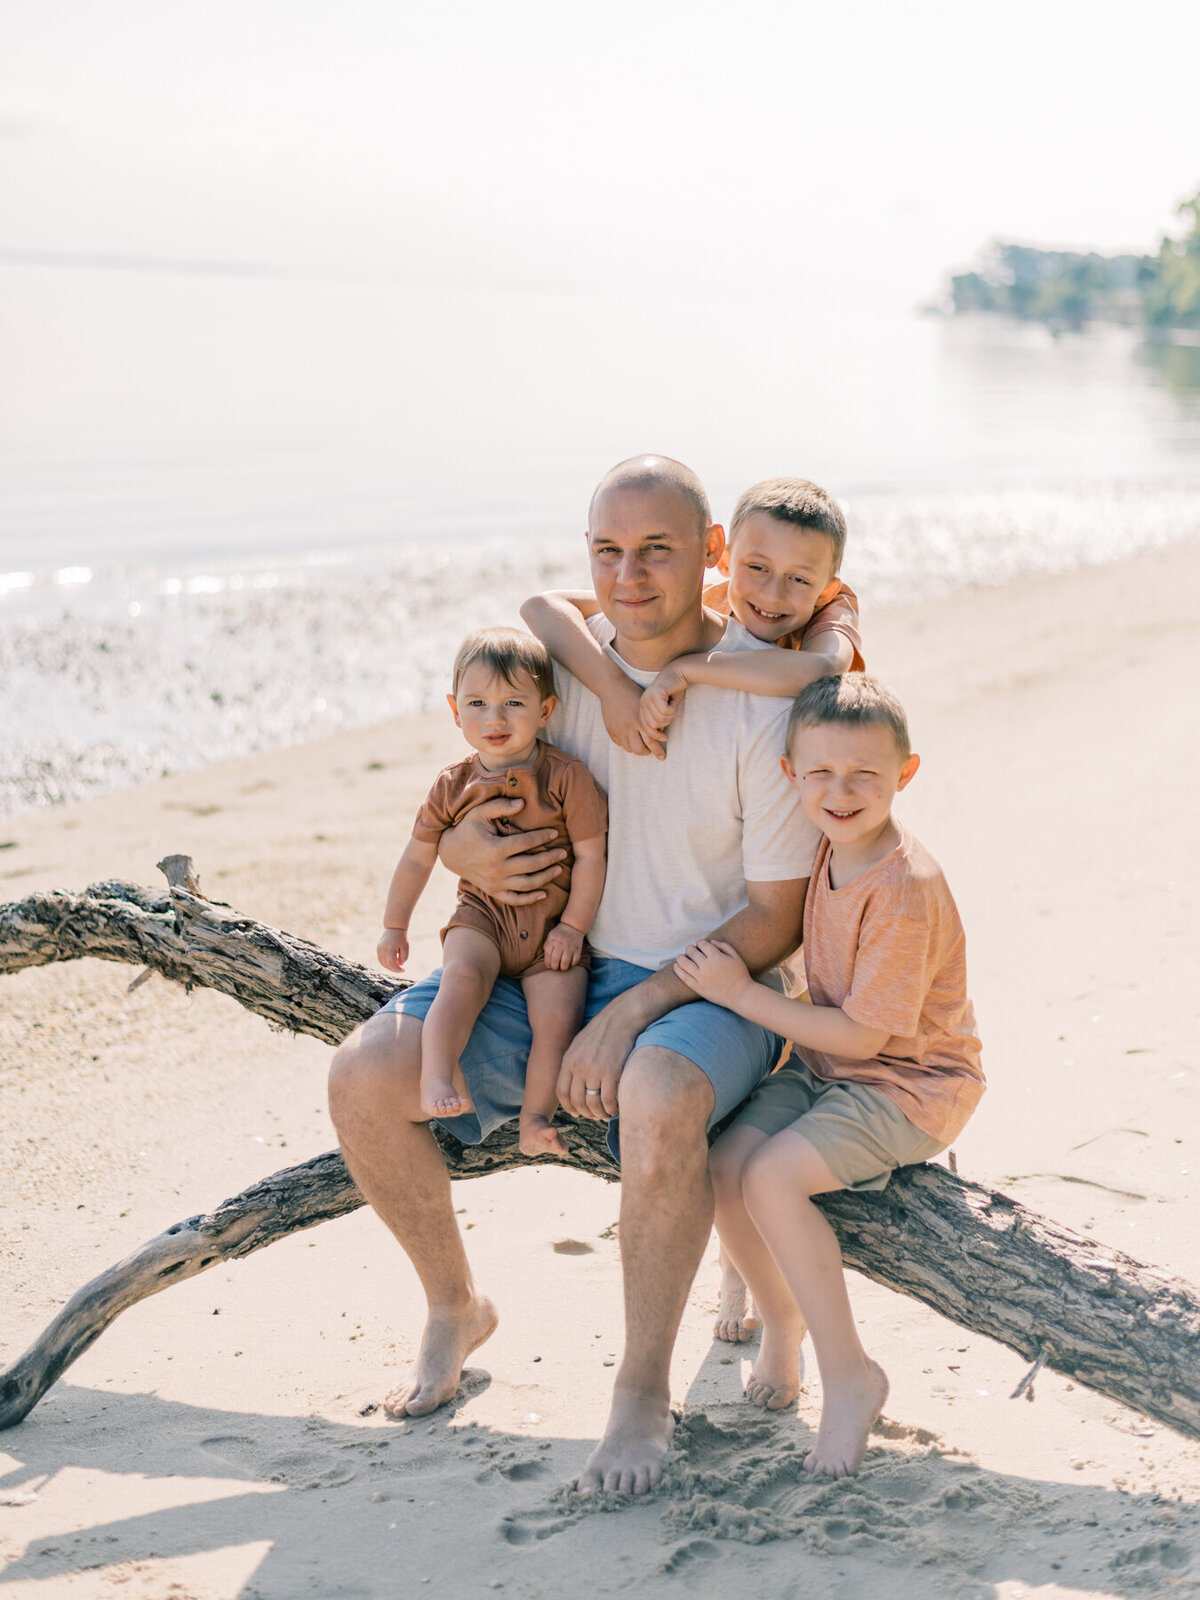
[[885, 1065]]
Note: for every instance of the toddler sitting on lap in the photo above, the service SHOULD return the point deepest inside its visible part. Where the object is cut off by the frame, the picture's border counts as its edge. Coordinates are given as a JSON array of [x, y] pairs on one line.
[[503, 696]]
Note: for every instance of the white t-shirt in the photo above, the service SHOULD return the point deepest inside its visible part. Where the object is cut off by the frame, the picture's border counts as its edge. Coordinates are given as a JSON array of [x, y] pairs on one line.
[[685, 835]]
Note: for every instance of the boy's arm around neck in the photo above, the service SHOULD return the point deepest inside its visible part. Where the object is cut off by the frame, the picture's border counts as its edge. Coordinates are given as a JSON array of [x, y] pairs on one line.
[[559, 620], [781, 673]]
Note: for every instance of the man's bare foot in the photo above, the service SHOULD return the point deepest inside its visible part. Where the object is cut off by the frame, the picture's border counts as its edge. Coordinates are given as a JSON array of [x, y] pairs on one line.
[[846, 1417], [446, 1343], [736, 1321], [442, 1097], [774, 1380], [629, 1458], [538, 1136]]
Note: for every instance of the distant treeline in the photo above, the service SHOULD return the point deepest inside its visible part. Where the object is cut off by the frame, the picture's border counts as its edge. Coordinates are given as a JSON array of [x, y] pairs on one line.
[[1065, 288]]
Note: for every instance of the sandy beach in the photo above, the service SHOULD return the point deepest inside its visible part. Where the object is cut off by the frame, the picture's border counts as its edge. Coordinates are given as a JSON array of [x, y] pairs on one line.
[[222, 1439]]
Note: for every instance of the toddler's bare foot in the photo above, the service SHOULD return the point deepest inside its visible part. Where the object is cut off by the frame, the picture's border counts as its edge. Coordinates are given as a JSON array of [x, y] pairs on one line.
[[446, 1343], [629, 1458], [846, 1417], [538, 1136], [774, 1380], [442, 1097]]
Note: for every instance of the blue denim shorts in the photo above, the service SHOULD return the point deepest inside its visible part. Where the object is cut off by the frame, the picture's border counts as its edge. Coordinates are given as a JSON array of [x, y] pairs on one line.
[[733, 1054]]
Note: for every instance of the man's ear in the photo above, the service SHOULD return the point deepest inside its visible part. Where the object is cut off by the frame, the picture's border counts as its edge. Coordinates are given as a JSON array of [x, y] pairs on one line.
[[909, 771], [453, 704], [714, 547]]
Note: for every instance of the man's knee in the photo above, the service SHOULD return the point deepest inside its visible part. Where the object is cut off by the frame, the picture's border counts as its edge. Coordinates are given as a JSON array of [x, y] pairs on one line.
[[664, 1100], [377, 1067]]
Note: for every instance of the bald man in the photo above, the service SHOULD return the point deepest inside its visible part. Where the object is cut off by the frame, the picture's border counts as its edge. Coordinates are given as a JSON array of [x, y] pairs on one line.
[[709, 843]]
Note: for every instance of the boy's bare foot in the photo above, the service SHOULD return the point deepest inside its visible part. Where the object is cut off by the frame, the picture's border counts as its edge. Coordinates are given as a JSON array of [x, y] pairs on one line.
[[538, 1136], [774, 1380], [446, 1343], [441, 1097], [736, 1321], [629, 1458], [846, 1417]]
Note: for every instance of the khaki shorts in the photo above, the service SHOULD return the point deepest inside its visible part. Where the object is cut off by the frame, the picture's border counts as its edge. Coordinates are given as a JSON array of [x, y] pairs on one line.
[[861, 1135]]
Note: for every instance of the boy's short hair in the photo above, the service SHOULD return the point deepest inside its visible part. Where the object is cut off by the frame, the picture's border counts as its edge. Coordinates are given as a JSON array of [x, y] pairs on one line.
[[507, 652], [794, 500], [852, 698]]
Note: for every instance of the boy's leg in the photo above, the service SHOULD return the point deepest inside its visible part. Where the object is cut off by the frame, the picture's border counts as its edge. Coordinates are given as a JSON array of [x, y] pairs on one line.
[[470, 967], [778, 1183], [774, 1381], [556, 1002]]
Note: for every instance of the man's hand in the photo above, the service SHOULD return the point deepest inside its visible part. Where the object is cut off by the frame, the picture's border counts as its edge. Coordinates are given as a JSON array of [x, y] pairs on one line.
[[659, 703], [392, 950], [509, 867], [594, 1061], [714, 970], [620, 707], [563, 948]]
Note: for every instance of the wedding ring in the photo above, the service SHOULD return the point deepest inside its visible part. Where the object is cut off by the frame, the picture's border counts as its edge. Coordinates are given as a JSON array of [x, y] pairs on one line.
[[591, 1091]]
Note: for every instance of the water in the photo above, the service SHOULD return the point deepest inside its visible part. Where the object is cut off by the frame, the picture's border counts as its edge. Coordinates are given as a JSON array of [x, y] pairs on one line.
[[238, 512]]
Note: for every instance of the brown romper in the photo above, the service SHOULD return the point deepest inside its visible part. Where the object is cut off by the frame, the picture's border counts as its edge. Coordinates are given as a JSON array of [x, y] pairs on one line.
[[559, 792]]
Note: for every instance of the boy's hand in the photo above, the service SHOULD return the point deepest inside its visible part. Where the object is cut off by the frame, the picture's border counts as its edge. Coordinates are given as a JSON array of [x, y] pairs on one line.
[[563, 948], [659, 703], [392, 950], [714, 970], [620, 709]]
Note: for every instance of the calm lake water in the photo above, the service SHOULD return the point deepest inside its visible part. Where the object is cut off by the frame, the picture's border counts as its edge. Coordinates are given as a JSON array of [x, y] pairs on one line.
[[240, 510]]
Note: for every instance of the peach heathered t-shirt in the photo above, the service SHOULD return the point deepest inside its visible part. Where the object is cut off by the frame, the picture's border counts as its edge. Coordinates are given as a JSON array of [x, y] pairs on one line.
[[889, 949], [836, 611]]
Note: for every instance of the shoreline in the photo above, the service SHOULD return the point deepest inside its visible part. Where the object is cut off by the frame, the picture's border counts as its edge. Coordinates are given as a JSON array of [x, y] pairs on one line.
[[215, 1437]]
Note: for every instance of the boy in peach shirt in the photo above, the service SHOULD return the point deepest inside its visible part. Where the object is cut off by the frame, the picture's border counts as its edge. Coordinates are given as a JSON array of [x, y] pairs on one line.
[[885, 1066]]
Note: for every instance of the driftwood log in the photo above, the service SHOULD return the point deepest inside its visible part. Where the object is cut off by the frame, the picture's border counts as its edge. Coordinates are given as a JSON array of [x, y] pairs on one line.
[[1057, 1297]]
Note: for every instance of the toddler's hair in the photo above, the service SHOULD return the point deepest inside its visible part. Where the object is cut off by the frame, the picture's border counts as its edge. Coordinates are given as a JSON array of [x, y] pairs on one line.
[[794, 500], [508, 652], [851, 698]]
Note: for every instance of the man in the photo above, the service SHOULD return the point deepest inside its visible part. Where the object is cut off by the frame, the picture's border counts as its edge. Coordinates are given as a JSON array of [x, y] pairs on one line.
[[710, 842]]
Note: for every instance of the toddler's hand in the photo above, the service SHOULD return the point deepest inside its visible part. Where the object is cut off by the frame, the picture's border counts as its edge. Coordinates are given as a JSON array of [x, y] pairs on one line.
[[714, 970], [620, 708], [563, 948], [392, 950]]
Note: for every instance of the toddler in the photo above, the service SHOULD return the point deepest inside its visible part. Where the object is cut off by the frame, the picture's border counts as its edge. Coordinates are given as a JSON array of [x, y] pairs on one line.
[[502, 698]]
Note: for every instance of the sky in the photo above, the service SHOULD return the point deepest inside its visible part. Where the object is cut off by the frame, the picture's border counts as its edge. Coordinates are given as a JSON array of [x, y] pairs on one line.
[[750, 149]]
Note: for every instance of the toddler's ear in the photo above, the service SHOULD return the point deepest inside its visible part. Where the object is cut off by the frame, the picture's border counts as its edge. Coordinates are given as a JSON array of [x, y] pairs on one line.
[[909, 770], [453, 704]]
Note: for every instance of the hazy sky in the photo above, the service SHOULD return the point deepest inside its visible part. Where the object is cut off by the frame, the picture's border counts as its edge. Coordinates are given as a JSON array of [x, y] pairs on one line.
[[738, 147]]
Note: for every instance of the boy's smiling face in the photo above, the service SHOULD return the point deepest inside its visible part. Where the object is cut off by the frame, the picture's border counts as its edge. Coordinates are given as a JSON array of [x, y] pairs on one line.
[[500, 720], [777, 572], [847, 775]]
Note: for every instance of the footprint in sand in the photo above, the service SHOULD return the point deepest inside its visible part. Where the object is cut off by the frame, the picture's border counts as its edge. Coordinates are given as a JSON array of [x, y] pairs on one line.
[[298, 1469], [686, 1555], [1169, 1554]]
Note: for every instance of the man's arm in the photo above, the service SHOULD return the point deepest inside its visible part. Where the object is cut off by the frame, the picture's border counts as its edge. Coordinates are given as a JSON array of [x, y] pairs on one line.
[[508, 867], [766, 930], [559, 620]]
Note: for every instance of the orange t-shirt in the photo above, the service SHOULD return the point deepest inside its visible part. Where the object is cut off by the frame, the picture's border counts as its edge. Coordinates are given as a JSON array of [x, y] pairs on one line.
[[888, 948], [836, 612]]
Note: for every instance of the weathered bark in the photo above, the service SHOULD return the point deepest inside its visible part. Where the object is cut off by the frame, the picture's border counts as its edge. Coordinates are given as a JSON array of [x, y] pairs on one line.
[[1126, 1330]]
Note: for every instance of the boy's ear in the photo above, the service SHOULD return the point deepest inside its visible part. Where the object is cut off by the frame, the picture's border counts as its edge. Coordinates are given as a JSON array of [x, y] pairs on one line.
[[787, 769], [453, 704], [909, 770], [714, 547], [548, 705]]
